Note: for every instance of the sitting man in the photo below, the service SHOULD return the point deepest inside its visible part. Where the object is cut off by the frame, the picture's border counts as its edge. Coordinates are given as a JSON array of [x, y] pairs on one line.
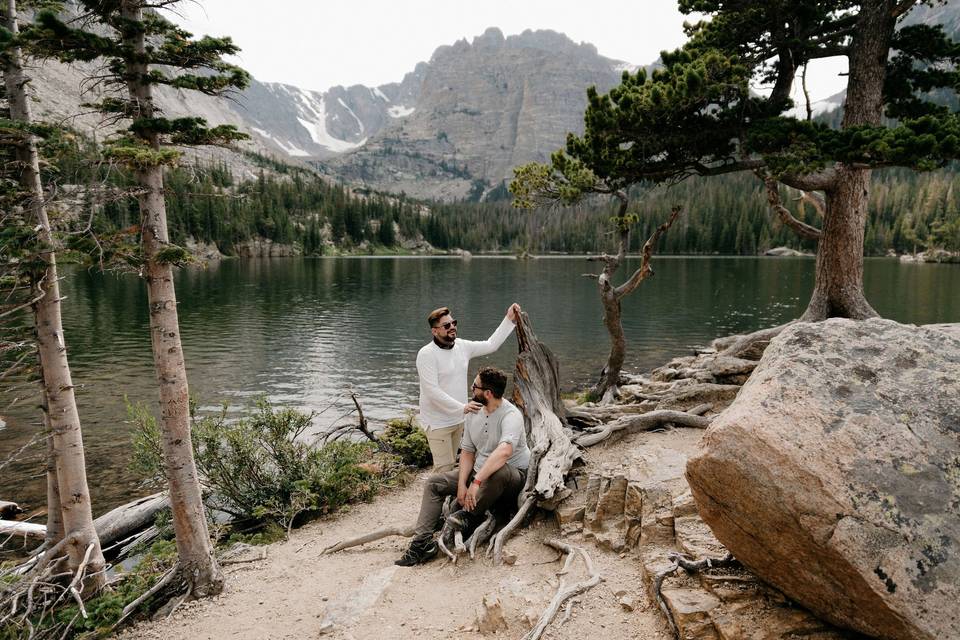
[[493, 465]]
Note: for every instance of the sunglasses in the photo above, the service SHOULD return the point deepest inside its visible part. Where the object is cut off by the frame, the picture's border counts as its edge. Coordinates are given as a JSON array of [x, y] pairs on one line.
[[476, 386], [447, 325]]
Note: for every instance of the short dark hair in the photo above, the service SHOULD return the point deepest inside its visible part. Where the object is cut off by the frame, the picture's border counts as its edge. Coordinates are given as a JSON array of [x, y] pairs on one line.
[[436, 314], [493, 380]]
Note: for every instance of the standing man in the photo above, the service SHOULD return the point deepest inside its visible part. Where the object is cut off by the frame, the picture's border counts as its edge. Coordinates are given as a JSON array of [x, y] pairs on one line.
[[442, 366], [493, 466]]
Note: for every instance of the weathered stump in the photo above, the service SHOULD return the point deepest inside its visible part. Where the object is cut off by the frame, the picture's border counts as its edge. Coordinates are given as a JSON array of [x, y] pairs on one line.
[[552, 454]]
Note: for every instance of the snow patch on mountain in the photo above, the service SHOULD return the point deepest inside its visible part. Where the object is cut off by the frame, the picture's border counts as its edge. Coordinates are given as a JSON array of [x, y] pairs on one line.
[[312, 116], [620, 67], [350, 111], [376, 91], [290, 149], [400, 111]]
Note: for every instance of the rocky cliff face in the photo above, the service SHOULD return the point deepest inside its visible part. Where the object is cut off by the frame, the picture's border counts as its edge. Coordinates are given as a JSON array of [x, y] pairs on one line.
[[319, 125], [453, 127], [483, 108]]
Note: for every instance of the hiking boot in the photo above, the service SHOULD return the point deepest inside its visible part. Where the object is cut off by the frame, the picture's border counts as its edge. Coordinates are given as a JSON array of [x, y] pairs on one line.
[[418, 552]]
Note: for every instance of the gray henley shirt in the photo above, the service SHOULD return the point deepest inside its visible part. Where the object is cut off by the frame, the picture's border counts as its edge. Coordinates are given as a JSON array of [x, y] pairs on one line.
[[483, 432]]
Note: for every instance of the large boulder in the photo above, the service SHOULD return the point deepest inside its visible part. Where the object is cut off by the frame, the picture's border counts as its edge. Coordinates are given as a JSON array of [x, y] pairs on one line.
[[835, 474]]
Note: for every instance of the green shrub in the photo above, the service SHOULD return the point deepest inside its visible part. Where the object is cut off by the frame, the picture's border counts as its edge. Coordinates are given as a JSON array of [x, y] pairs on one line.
[[408, 441], [261, 467]]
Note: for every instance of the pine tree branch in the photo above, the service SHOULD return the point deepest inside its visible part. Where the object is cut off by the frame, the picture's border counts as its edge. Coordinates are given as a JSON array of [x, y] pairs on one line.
[[802, 229], [645, 271]]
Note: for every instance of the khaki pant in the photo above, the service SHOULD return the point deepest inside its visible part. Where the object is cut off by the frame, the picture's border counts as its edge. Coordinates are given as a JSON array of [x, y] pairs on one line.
[[444, 443]]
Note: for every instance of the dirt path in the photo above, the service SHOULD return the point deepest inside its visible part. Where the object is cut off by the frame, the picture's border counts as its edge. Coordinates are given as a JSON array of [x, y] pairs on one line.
[[359, 593]]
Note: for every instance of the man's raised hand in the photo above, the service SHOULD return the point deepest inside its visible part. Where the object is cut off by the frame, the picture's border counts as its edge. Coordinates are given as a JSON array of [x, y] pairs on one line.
[[472, 407], [513, 313]]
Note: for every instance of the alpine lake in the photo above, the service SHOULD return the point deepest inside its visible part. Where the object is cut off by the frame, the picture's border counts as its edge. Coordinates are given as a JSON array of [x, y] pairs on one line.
[[301, 332]]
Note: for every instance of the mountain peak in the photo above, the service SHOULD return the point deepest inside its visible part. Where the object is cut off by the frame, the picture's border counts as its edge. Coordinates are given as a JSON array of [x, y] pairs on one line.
[[492, 38]]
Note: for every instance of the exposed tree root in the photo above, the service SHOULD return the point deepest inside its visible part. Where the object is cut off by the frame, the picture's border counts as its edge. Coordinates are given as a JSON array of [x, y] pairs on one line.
[[642, 422], [481, 534], [373, 536], [496, 545], [565, 591], [750, 346], [161, 584]]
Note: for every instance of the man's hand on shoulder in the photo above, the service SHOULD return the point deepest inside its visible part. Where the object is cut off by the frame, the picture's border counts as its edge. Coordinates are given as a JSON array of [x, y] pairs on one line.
[[513, 313], [472, 407]]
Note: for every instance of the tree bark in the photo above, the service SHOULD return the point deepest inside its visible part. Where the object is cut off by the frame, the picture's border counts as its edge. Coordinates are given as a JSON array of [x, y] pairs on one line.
[[609, 298], [54, 510], [838, 284], [60, 403], [196, 562], [838, 287]]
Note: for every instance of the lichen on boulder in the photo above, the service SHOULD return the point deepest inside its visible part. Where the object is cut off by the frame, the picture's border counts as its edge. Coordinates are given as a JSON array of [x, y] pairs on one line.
[[835, 474]]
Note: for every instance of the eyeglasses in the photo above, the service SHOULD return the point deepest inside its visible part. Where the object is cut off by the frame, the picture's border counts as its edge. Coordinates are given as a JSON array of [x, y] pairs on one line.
[[476, 386], [447, 325]]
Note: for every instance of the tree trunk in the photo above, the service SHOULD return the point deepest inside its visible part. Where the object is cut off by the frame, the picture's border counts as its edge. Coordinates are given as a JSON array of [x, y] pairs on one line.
[[838, 284], [610, 375], [197, 564], [61, 407], [54, 512], [606, 386], [838, 288]]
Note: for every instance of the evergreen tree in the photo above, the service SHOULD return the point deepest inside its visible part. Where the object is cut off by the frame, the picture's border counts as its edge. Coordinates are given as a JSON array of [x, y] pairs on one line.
[[143, 50], [698, 117], [32, 247]]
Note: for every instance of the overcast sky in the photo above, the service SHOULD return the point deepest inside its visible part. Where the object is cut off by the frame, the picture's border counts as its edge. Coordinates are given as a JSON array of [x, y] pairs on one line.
[[316, 45]]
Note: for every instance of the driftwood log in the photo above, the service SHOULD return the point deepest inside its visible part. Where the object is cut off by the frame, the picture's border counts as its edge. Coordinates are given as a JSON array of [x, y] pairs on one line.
[[25, 529], [552, 453], [113, 526]]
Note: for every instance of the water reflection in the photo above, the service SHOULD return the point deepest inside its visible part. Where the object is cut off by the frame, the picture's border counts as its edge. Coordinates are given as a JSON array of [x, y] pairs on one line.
[[300, 331]]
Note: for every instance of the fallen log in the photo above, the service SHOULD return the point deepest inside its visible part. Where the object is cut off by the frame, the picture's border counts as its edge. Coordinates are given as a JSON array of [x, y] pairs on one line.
[[130, 518], [117, 524], [25, 529]]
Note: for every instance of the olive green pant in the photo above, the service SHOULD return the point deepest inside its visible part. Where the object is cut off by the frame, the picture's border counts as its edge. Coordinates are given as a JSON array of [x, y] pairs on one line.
[[505, 483]]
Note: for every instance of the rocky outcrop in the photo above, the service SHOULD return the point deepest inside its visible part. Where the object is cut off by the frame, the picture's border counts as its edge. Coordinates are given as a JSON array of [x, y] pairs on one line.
[[835, 474], [646, 513], [931, 255], [265, 248], [484, 107]]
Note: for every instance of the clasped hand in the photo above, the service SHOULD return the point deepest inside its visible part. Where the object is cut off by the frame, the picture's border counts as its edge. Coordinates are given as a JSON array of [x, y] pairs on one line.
[[467, 496]]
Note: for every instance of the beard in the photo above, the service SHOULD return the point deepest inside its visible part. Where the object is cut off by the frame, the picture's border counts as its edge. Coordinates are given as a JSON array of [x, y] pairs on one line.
[[445, 341], [479, 398]]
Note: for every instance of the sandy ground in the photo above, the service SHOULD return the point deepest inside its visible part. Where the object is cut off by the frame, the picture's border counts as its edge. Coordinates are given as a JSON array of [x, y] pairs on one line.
[[359, 593]]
